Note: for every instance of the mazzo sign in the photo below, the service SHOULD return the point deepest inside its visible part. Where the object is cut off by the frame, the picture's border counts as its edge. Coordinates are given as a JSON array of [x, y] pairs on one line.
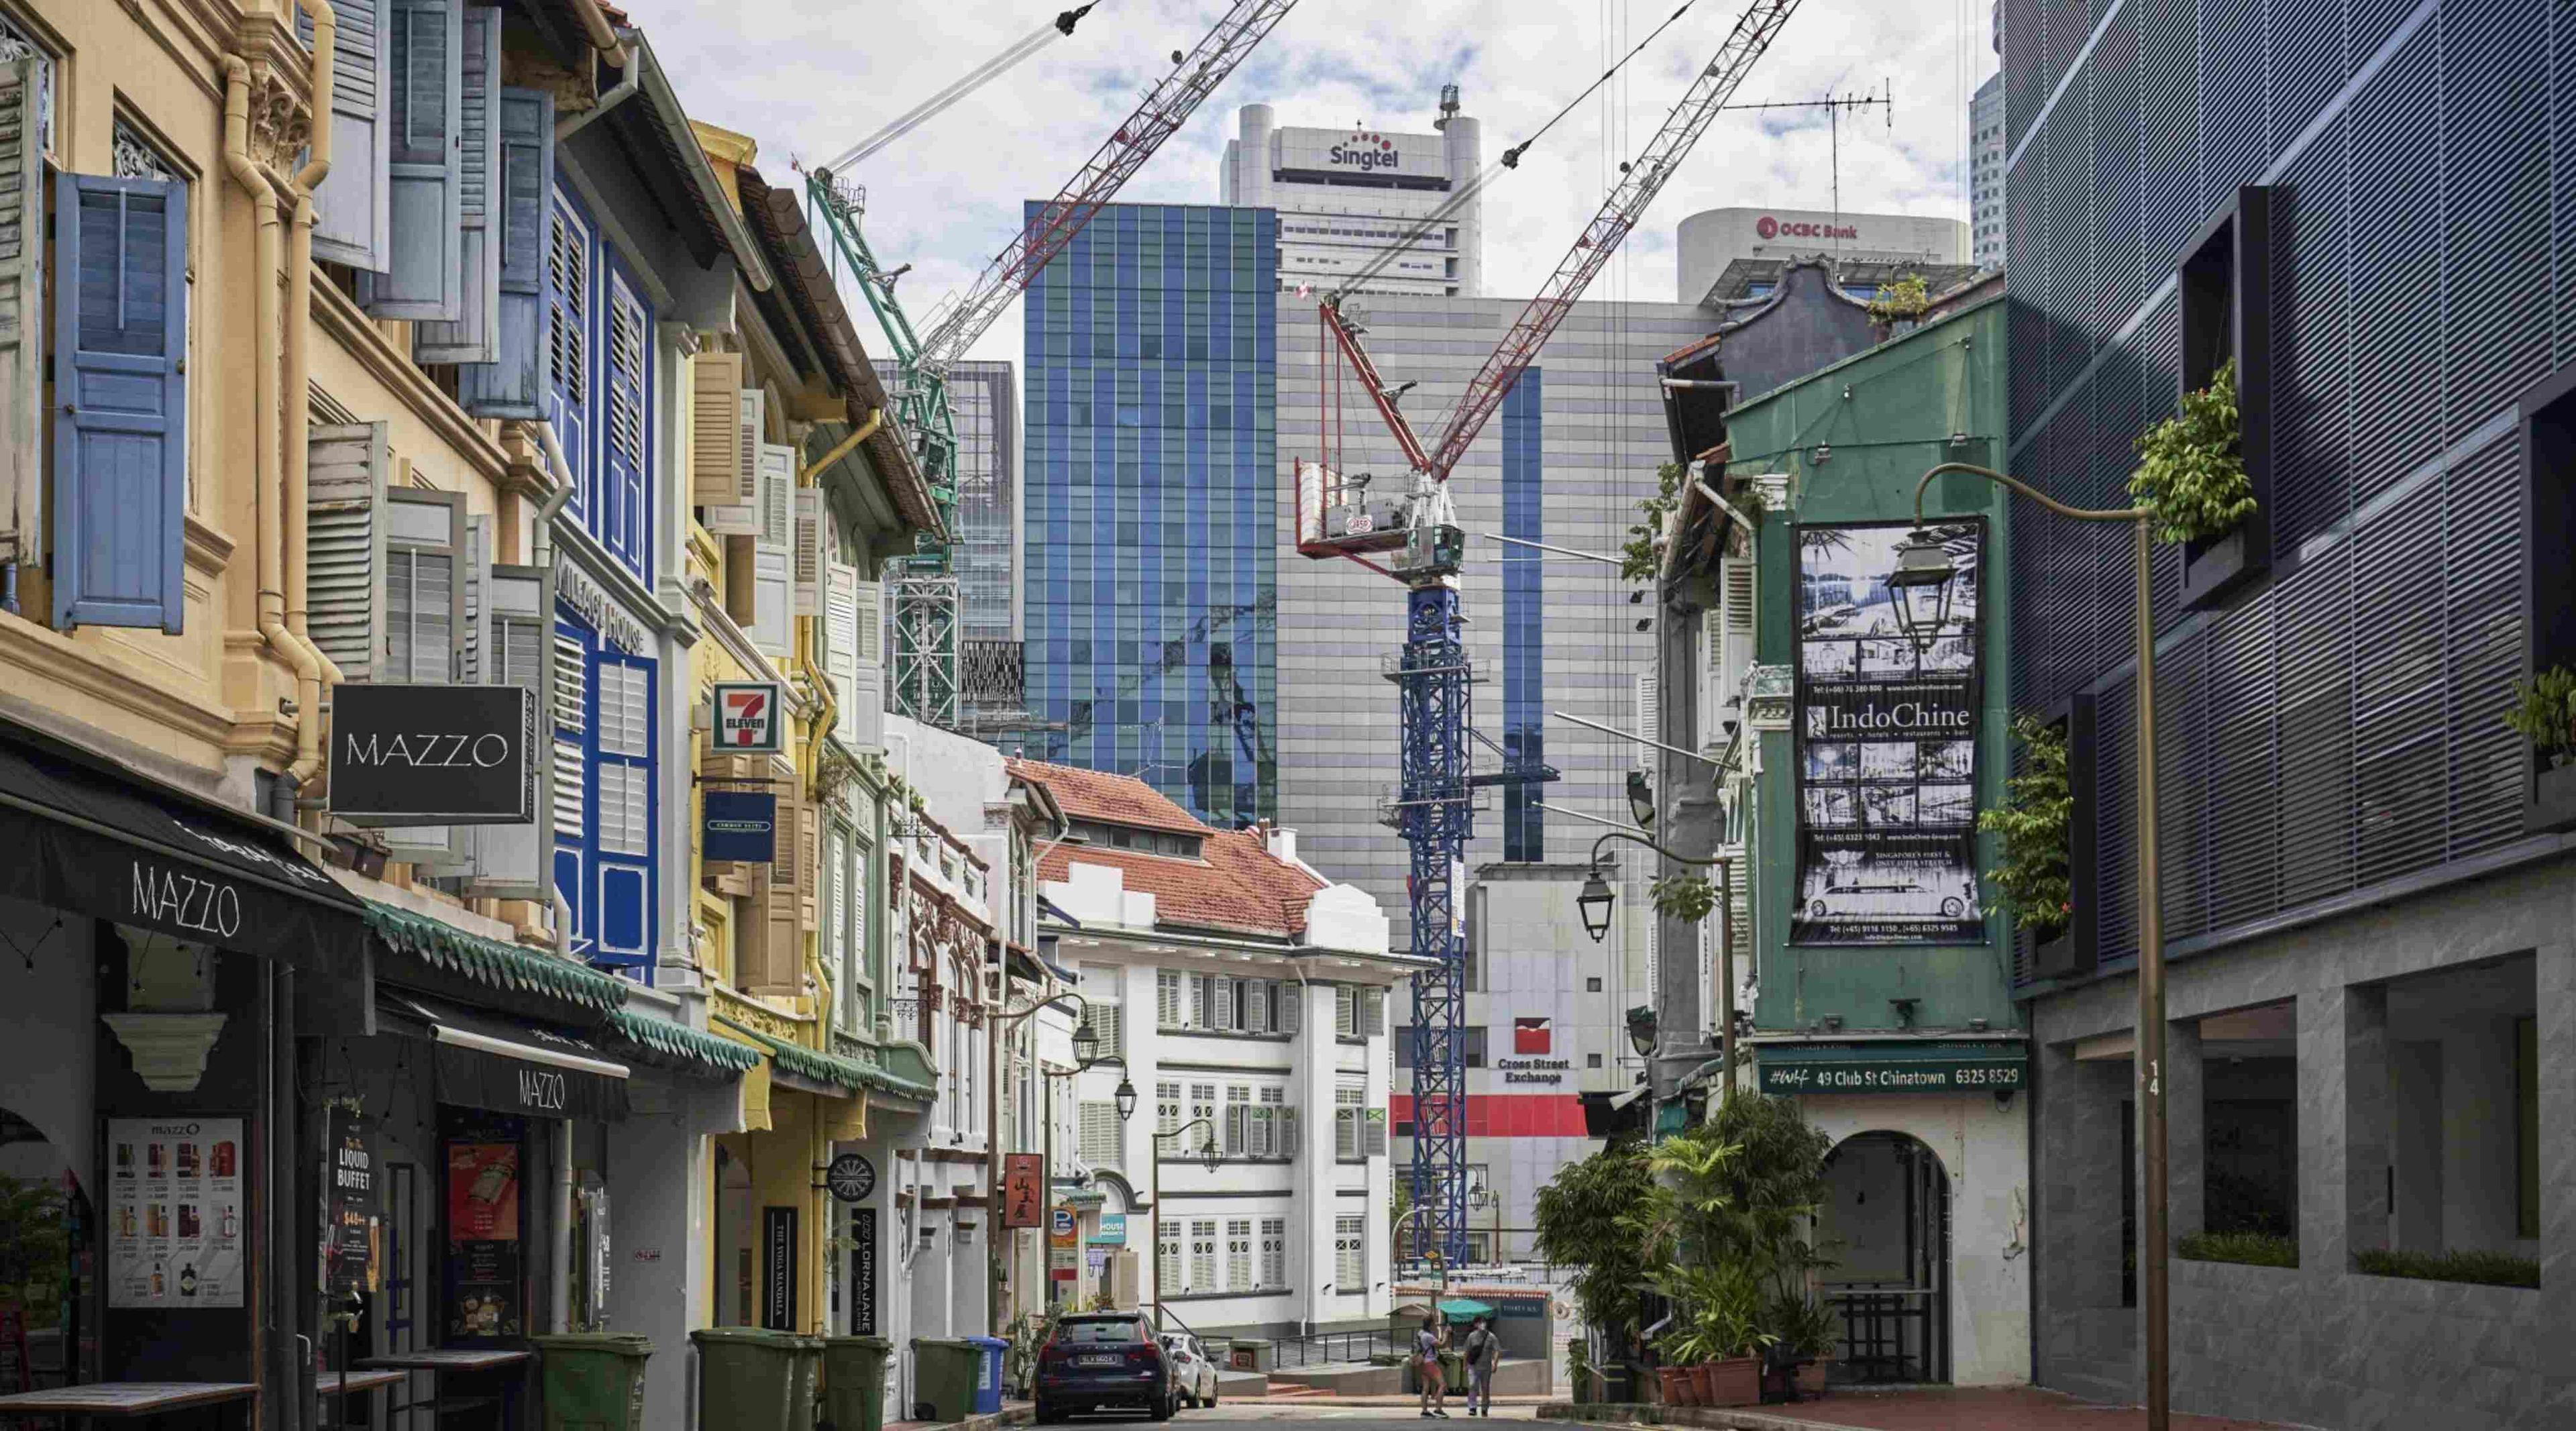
[[192, 904], [747, 718], [433, 754]]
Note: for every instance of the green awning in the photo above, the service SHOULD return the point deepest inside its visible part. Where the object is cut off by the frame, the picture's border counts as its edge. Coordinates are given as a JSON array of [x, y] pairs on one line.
[[489, 961], [798, 1061], [658, 1040], [1894, 1066], [1464, 1307]]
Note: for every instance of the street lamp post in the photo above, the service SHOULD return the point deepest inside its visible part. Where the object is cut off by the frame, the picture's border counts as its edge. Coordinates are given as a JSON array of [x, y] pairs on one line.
[[1917, 573], [1154, 1208], [1086, 1052], [1595, 904]]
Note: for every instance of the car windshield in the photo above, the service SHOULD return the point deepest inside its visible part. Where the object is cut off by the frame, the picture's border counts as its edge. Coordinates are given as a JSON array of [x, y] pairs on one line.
[[1099, 1331]]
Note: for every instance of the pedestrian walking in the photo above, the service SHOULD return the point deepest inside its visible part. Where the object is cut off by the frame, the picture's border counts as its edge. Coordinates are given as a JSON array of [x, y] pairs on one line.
[[1484, 1353], [1435, 1381]]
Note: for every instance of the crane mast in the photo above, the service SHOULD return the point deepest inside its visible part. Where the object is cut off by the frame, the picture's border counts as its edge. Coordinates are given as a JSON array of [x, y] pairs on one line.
[[1434, 807], [925, 590]]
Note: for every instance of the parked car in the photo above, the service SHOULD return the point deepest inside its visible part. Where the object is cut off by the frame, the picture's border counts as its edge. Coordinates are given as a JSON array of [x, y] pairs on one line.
[[1104, 1359], [1193, 1370]]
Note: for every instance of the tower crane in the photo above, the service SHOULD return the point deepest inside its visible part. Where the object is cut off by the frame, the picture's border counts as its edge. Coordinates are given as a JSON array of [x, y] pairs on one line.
[[1341, 517], [925, 592]]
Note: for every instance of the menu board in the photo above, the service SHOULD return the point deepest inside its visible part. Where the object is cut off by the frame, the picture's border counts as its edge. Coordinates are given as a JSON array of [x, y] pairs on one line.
[[351, 1236], [1887, 744], [483, 1239], [174, 1212]]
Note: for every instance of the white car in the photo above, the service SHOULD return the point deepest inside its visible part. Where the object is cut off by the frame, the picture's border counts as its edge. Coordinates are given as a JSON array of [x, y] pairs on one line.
[[1193, 1374]]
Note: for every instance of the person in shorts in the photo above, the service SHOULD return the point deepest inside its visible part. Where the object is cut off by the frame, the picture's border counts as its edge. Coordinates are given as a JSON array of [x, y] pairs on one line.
[[1426, 1356]]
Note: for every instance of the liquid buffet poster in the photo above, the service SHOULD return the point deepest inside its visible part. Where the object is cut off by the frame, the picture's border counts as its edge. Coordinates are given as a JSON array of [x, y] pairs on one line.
[[1887, 744]]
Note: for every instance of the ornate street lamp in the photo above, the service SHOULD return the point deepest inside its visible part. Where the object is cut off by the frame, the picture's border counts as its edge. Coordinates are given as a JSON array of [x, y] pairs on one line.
[[1641, 1030], [1086, 1043], [1641, 799], [1126, 1096], [1595, 904], [1920, 589]]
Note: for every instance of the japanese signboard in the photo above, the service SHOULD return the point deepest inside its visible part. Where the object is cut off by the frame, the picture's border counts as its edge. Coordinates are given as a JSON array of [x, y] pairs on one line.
[[1887, 743], [1023, 1193], [748, 720], [174, 1212]]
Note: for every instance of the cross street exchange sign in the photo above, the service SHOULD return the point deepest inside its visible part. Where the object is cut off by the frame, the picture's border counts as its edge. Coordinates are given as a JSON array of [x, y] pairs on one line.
[[433, 755]]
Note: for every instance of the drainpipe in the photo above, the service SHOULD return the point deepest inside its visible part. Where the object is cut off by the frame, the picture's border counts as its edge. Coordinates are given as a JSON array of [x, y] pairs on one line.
[[541, 534], [602, 35], [630, 75], [295, 410], [842, 449]]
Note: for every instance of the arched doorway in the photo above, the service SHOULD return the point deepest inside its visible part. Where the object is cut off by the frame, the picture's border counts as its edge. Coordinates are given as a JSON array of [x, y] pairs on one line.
[[43, 1272], [1886, 1224]]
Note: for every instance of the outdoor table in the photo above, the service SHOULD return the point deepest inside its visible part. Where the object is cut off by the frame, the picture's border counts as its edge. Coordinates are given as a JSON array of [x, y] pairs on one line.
[[332, 1383], [124, 1399], [462, 1361]]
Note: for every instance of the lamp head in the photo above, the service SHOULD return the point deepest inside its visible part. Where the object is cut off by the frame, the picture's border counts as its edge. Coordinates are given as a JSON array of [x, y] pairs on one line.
[[1595, 904], [1641, 1030], [1641, 799], [1126, 1096], [1920, 589], [1086, 1044]]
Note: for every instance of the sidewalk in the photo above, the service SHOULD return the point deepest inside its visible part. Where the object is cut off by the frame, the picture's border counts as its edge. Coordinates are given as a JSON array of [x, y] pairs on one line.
[[2020, 1408], [1013, 1413]]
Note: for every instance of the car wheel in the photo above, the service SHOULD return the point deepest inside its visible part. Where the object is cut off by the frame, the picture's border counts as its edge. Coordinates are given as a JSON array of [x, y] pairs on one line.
[[1817, 909], [1047, 1415], [1950, 908], [1212, 1394], [1161, 1410]]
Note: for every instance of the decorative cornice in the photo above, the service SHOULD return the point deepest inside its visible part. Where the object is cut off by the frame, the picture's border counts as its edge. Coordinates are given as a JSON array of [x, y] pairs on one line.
[[338, 316], [87, 673], [209, 551], [281, 121]]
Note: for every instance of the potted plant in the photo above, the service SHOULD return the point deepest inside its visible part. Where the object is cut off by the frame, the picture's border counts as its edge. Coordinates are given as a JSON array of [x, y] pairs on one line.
[[1811, 1331], [1578, 1371], [1685, 1353], [2033, 878], [2191, 474], [1898, 307], [2544, 713]]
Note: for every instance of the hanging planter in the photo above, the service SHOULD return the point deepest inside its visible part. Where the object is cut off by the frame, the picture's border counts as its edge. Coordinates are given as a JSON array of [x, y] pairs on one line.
[[2544, 713], [2192, 475], [2033, 877]]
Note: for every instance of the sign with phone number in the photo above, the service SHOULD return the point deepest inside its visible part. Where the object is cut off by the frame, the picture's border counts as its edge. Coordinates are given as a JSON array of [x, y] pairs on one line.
[[1896, 1076]]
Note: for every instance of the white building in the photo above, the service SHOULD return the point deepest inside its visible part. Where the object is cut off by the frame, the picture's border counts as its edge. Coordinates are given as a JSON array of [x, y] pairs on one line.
[[1244, 996], [1986, 173], [1717, 249], [1345, 195]]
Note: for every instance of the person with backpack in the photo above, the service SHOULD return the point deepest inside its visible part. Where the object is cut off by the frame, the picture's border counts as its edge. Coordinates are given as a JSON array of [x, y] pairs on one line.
[[1435, 1380], [1484, 1353]]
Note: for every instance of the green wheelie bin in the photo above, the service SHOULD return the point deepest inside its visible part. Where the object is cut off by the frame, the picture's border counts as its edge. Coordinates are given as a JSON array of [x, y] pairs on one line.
[[753, 1379], [593, 1381], [948, 1371], [854, 1382]]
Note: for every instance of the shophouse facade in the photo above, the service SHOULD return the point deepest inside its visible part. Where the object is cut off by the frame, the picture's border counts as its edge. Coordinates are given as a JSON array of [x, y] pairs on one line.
[[2364, 871], [1869, 982], [1244, 998]]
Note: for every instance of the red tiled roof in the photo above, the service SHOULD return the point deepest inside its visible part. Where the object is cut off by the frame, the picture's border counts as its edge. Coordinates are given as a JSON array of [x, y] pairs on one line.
[[1110, 799], [1238, 887]]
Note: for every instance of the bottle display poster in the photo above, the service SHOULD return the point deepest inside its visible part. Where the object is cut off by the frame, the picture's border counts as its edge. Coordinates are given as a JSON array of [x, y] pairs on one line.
[[174, 1212], [483, 1252]]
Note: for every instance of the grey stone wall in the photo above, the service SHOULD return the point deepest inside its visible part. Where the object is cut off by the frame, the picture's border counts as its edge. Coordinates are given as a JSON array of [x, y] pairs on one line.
[[2321, 1344]]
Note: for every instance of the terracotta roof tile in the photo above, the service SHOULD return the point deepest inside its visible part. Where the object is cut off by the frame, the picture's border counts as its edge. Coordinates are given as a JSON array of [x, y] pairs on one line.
[[1239, 887], [1110, 799]]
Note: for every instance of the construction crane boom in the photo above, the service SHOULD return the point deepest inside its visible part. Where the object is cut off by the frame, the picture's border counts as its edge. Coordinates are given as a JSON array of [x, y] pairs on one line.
[[1639, 182], [1166, 107]]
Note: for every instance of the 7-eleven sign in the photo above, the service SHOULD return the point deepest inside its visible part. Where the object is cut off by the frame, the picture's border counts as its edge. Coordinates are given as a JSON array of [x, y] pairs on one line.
[[747, 717]]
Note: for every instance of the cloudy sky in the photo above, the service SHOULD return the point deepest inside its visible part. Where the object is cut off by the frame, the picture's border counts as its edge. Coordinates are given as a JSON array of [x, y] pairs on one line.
[[809, 78]]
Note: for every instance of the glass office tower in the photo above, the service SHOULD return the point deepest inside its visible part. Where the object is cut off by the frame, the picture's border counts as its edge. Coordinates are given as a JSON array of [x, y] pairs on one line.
[[1150, 501]]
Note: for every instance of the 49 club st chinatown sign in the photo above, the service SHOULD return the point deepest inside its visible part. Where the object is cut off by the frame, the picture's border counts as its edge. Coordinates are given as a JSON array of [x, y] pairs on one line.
[[1886, 733]]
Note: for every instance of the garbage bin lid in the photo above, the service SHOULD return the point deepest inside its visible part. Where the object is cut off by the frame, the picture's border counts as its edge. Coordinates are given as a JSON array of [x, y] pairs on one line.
[[619, 1343], [762, 1336], [989, 1343]]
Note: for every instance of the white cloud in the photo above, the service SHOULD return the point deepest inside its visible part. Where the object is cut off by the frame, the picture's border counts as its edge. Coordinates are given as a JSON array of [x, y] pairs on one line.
[[807, 80]]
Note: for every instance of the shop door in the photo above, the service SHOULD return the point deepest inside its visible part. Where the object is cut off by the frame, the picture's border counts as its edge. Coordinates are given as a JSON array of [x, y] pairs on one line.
[[408, 1276], [1889, 1208]]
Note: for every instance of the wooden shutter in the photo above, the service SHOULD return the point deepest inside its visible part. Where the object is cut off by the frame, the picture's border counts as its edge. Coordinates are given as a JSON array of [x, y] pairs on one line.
[[349, 210], [514, 861], [739, 514], [423, 276], [1372, 1012], [1649, 715], [1291, 1136], [120, 345], [512, 384], [424, 586], [1256, 1005], [1292, 1007], [474, 337], [22, 294], [773, 628], [779, 969], [344, 542], [841, 652], [812, 519], [567, 345], [1373, 1135], [715, 426], [1221, 1010]]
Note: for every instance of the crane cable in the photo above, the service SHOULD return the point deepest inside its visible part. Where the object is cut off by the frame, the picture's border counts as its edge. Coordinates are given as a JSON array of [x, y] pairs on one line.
[[1047, 33], [1511, 160]]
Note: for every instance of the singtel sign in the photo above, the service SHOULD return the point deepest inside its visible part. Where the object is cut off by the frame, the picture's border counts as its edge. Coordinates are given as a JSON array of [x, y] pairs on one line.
[[433, 754]]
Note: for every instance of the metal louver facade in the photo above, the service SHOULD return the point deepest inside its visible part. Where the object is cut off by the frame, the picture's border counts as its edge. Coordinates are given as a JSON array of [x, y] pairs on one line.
[[2330, 735]]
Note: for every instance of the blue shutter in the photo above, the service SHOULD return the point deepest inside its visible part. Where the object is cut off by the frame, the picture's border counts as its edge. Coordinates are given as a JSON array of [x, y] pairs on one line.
[[471, 338], [512, 384], [619, 843], [569, 260], [424, 272], [121, 341], [349, 221], [621, 521]]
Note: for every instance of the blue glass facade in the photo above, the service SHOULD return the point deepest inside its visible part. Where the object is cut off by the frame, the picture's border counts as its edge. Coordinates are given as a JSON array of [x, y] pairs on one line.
[[1152, 577], [1524, 598]]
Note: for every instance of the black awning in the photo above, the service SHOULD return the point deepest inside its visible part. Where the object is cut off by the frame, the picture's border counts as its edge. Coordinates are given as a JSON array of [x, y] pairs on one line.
[[507, 1066], [88, 836]]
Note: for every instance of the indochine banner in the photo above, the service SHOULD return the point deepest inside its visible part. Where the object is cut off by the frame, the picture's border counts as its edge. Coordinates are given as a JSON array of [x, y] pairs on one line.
[[1887, 744]]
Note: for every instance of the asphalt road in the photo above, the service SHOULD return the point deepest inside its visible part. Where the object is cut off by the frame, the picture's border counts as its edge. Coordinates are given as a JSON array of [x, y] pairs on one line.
[[1227, 1415]]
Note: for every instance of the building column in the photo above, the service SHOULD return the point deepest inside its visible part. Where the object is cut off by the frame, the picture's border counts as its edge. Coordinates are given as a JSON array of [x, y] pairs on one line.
[[2343, 1126], [1310, 1089], [2186, 1133], [2087, 1338], [2555, 978]]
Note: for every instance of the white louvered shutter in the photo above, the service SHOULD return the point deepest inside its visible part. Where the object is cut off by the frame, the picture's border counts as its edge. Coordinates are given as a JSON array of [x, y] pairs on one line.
[[478, 579], [424, 587], [516, 861], [1110, 1023], [812, 518], [1649, 716], [1221, 1013], [22, 290], [1099, 1134], [841, 648], [1292, 1007], [624, 734], [346, 466], [715, 430], [773, 627], [1167, 1000], [1739, 595], [350, 219]]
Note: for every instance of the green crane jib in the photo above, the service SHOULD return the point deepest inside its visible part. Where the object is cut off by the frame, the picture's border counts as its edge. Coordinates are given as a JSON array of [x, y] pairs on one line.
[[925, 593]]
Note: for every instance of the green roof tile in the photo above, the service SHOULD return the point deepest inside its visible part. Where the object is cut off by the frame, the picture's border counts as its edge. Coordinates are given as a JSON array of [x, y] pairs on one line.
[[489, 961]]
